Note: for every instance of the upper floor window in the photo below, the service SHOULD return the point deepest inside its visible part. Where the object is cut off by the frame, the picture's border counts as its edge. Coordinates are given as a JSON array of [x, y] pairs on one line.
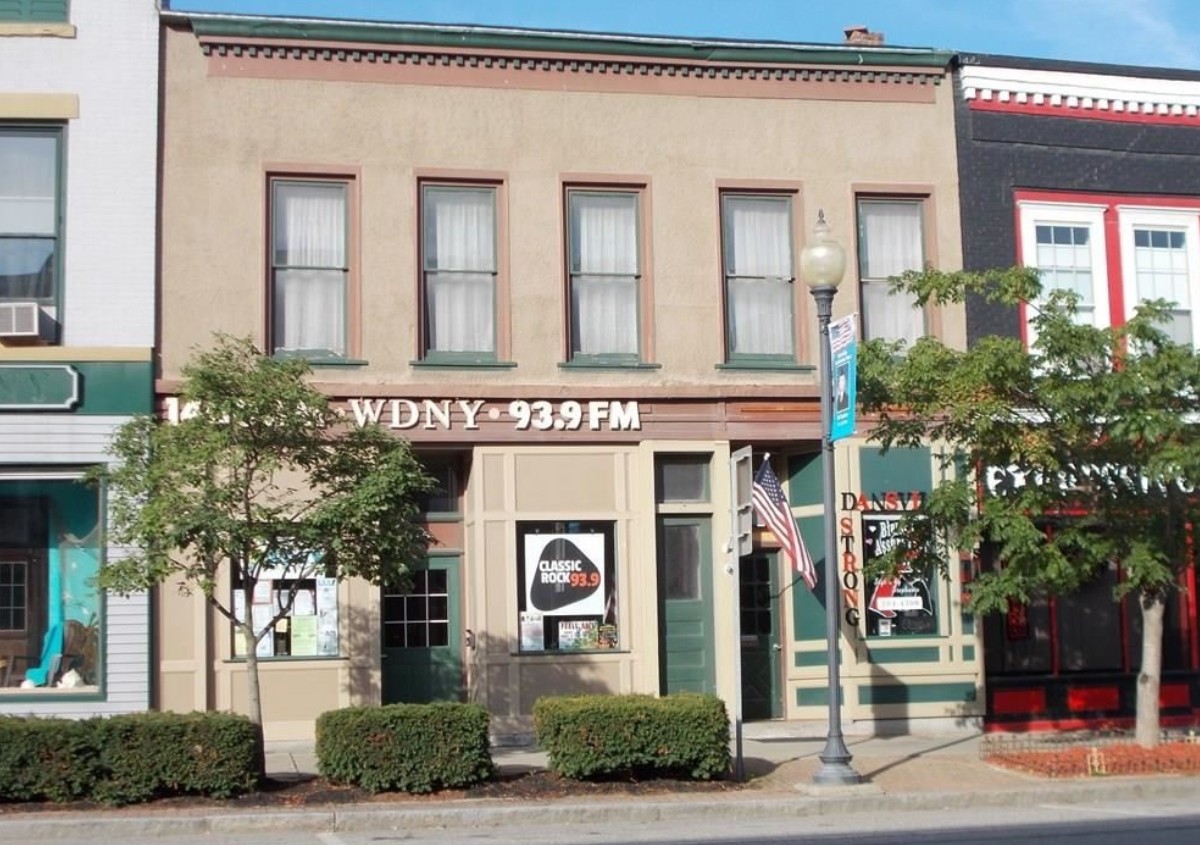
[[1065, 242], [1161, 260], [310, 267], [604, 259], [756, 235], [30, 212], [890, 241], [34, 11], [458, 246]]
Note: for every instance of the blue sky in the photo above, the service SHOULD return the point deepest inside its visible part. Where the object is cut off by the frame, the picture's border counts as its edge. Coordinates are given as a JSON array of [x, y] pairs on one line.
[[1156, 33]]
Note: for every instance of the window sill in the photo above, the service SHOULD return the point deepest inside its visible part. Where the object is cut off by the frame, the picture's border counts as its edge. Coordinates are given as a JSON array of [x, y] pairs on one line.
[[607, 365], [444, 516], [316, 358], [428, 364], [337, 362], [559, 653], [37, 30], [767, 365]]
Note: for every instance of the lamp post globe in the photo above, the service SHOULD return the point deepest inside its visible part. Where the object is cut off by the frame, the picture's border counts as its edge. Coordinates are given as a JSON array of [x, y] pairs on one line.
[[822, 265]]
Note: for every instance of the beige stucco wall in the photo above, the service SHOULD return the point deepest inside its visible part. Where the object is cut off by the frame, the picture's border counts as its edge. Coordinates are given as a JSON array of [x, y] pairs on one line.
[[222, 134]]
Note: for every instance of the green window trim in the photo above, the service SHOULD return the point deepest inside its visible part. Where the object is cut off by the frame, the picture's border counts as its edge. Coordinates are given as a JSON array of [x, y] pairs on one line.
[[432, 265], [34, 11], [607, 362], [575, 271], [766, 363], [452, 361], [276, 328], [729, 278], [53, 297]]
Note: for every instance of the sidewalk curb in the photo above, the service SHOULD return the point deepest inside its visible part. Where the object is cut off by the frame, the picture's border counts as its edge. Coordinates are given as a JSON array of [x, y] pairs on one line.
[[484, 813]]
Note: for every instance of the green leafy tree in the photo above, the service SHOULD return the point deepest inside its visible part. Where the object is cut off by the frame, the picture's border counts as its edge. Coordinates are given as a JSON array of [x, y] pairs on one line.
[[1078, 451], [259, 476]]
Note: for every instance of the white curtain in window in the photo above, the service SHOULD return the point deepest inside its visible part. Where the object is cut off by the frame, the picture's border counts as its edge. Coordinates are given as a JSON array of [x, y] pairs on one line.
[[604, 273], [460, 263], [759, 266], [891, 244], [310, 261]]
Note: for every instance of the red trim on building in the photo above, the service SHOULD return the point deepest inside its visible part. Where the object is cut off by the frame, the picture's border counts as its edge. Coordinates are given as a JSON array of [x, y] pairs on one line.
[[1174, 696], [1080, 113], [1093, 698], [1018, 701], [1123, 723]]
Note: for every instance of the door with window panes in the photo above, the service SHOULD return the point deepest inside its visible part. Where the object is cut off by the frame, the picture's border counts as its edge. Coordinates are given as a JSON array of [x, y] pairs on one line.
[[761, 650], [685, 582], [422, 648]]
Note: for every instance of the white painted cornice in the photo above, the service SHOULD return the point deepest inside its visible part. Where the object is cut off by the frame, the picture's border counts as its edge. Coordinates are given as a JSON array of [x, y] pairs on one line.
[[1132, 95]]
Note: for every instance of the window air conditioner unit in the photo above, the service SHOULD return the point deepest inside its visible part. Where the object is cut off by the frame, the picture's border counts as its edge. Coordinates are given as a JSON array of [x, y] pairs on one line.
[[19, 319]]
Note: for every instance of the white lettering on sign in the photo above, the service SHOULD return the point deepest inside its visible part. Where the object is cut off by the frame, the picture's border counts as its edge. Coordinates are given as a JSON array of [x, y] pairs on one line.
[[538, 415], [441, 414], [901, 603]]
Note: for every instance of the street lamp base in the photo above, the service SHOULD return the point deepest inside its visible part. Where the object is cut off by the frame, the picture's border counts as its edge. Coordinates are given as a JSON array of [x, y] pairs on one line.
[[836, 773]]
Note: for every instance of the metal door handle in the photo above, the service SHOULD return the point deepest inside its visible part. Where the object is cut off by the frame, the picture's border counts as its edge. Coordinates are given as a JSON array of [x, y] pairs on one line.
[[776, 647]]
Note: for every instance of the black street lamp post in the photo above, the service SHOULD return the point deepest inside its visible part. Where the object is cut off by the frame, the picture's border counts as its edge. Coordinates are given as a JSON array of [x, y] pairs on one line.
[[822, 264]]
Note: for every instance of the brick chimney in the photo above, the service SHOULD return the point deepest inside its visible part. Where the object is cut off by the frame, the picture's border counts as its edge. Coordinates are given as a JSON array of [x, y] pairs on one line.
[[859, 34]]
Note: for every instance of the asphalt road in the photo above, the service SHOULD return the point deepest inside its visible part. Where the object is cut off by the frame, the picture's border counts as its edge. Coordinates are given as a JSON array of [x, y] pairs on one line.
[[1134, 823]]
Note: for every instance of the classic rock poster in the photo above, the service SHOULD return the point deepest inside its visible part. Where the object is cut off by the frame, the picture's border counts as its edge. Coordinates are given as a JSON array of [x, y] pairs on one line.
[[567, 600]]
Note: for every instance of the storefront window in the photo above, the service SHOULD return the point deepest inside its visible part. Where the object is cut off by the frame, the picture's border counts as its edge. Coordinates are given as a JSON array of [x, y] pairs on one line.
[[902, 606], [566, 575], [50, 629], [308, 629]]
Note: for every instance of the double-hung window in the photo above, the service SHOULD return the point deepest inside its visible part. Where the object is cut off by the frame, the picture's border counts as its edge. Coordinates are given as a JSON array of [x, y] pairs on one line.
[[33, 11], [1160, 250], [759, 275], [30, 212], [1065, 242], [310, 267], [890, 242], [605, 275], [458, 247]]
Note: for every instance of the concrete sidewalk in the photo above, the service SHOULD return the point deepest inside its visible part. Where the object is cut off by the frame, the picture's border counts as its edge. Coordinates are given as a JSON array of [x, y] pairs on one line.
[[903, 772]]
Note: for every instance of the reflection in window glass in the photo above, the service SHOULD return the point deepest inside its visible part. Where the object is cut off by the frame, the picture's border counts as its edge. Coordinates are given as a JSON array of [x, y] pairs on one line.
[[681, 560], [682, 478]]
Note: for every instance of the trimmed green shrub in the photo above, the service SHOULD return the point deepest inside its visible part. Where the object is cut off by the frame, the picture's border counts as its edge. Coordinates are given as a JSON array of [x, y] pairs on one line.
[[594, 735], [145, 755], [125, 759], [405, 747]]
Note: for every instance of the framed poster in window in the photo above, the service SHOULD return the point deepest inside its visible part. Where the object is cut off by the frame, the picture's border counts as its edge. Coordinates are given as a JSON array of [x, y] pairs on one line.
[[566, 574], [901, 606]]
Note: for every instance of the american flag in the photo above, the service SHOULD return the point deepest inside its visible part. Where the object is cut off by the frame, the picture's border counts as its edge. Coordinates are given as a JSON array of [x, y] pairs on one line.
[[773, 509]]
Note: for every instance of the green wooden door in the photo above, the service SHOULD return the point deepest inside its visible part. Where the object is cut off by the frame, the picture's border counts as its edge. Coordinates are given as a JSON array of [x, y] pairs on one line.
[[759, 583], [422, 647], [685, 637]]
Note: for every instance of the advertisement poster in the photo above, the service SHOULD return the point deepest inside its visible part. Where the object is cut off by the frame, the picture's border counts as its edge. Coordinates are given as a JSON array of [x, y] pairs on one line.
[[843, 350], [533, 635], [564, 574], [304, 636], [901, 605], [578, 635], [327, 617]]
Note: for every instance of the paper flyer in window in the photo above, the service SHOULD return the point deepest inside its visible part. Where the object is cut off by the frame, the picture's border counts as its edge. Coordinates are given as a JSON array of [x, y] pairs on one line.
[[262, 592], [533, 636], [305, 603], [578, 635], [260, 616], [304, 636]]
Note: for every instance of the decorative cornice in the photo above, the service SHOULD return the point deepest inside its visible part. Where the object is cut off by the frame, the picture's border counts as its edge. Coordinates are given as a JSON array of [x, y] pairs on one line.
[[1142, 99], [549, 62]]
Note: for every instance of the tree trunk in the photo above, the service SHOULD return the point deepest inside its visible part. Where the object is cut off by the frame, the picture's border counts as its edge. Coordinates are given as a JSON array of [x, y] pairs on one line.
[[253, 692], [1150, 676]]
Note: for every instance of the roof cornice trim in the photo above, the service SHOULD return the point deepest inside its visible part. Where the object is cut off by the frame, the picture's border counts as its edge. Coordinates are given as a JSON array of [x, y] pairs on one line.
[[1067, 94], [559, 41]]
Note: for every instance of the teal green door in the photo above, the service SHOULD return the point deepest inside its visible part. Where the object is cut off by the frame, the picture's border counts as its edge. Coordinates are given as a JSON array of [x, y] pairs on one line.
[[759, 583], [422, 647], [685, 606]]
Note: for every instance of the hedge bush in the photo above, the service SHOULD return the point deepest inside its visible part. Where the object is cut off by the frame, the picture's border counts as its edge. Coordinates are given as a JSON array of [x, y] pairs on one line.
[[405, 747], [129, 758], [595, 735]]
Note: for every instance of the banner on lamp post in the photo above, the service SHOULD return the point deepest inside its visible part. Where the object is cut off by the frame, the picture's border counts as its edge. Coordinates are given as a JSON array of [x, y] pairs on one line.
[[843, 353]]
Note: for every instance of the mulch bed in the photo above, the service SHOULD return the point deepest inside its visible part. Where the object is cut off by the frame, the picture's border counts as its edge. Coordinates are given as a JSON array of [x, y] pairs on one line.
[[316, 791], [1100, 760]]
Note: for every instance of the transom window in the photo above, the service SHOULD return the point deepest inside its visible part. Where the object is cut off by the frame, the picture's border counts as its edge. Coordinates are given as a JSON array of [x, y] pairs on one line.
[[759, 276], [890, 242], [310, 269], [30, 212], [458, 224], [605, 273]]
